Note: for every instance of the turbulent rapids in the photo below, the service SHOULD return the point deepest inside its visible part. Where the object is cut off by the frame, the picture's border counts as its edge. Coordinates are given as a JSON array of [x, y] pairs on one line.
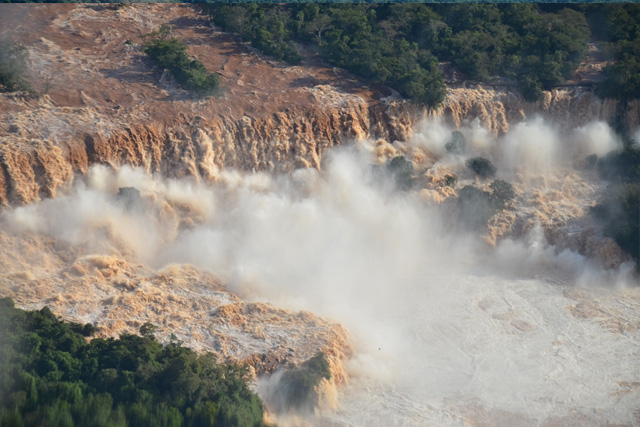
[[274, 223], [438, 325]]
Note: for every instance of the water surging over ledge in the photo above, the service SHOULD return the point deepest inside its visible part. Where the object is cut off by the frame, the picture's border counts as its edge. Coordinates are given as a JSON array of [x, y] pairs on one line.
[[446, 328]]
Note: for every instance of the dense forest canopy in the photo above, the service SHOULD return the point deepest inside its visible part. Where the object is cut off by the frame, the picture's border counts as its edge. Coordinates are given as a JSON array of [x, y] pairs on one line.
[[534, 46], [51, 376], [406, 46]]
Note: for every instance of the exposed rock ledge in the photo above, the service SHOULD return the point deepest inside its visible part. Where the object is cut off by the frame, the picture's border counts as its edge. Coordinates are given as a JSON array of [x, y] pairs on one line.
[[107, 104]]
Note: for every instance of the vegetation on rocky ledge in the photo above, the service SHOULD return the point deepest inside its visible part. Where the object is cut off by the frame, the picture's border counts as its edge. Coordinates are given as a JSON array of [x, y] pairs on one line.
[[620, 26], [619, 212], [298, 385], [477, 206], [401, 45], [14, 71], [170, 53]]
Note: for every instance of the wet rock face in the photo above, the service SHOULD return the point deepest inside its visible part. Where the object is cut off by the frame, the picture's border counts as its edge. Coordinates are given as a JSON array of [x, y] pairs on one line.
[[37, 164], [104, 102]]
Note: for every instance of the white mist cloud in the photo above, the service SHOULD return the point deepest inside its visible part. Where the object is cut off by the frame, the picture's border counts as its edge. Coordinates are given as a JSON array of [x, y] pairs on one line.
[[436, 315], [431, 134], [595, 138], [531, 145]]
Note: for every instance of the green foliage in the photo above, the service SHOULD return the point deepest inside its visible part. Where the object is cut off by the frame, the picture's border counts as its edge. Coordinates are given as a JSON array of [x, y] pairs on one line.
[[501, 194], [131, 199], [148, 330], [298, 385], [619, 212], [623, 165], [481, 167], [400, 45], [51, 376], [402, 171], [621, 25], [450, 180], [474, 206], [457, 144], [348, 36], [88, 330], [14, 72], [171, 53], [267, 28]]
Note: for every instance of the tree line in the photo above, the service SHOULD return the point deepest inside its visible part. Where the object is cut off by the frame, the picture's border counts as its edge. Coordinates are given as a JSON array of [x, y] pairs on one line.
[[531, 46], [535, 46], [51, 375]]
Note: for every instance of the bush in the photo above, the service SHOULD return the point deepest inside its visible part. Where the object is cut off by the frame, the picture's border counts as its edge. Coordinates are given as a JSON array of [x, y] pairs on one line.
[[450, 180], [621, 26], [402, 171], [130, 197], [457, 144], [619, 215], [297, 387], [621, 166], [619, 212], [475, 207], [401, 45], [14, 72], [502, 194], [88, 330], [171, 53], [481, 167]]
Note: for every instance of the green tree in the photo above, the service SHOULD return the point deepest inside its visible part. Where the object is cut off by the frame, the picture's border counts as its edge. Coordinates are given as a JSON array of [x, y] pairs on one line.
[[481, 167], [46, 379], [474, 206], [14, 71], [298, 385], [457, 144], [171, 53], [502, 193]]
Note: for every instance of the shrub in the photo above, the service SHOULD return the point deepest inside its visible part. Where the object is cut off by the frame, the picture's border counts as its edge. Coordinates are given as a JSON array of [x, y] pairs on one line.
[[474, 206], [457, 144], [148, 330], [402, 171], [530, 88], [130, 197], [502, 194], [619, 214], [171, 53], [481, 167], [622, 166], [88, 330], [298, 385], [13, 67], [450, 180]]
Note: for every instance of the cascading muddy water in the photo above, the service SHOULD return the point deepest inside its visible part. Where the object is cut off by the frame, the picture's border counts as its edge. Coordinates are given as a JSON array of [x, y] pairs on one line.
[[447, 328]]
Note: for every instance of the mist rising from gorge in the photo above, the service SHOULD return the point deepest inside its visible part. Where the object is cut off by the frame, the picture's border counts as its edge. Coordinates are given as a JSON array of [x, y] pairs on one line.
[[441, 320]]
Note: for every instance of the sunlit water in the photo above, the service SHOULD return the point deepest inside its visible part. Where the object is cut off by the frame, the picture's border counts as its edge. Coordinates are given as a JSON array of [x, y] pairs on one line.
[[447, 330], [489, 350]]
